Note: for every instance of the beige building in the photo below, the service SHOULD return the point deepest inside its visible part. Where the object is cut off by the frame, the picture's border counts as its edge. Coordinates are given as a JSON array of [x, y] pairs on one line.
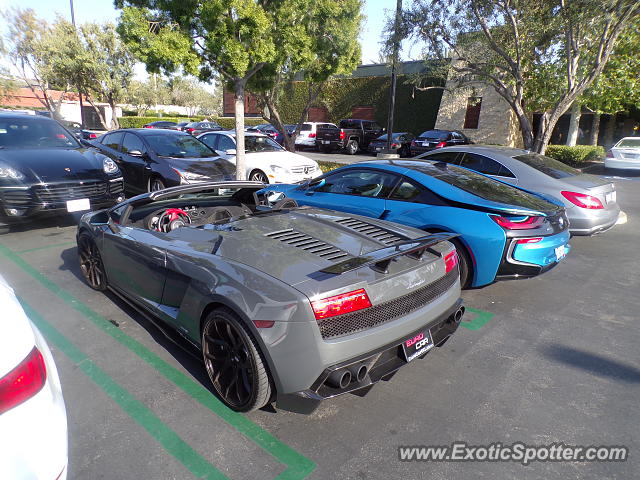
[[480, 113]]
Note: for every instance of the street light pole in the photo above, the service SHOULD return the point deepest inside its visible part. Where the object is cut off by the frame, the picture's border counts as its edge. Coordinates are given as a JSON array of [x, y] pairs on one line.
[[73, 21], [394, 61]]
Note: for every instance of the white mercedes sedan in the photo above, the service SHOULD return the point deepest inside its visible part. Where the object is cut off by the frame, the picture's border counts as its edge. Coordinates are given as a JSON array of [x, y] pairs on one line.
[[624, 155]]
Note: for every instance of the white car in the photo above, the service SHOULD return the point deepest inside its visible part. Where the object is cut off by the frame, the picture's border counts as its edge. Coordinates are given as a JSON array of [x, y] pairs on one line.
[[624, 154], [308, 130], [33, 420], [267, 161]]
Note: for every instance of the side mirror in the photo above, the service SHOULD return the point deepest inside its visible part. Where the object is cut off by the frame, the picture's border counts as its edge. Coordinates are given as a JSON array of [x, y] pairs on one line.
[[135, 153], [273, 196], [230, 151], [315, 185]]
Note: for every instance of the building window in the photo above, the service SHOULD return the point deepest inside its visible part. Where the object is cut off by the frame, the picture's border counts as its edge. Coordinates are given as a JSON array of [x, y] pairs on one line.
[[473, 112]]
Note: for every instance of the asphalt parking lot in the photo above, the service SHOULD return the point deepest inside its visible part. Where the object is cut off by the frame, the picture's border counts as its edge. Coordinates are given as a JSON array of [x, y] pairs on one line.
[[551, 359]]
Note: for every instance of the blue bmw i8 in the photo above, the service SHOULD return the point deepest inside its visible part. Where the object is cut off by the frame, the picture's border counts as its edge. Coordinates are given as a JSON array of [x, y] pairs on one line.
[[504, 231]]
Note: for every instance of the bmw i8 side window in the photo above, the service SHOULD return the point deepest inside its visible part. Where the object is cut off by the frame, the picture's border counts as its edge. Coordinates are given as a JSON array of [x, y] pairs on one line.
[[365, 183]]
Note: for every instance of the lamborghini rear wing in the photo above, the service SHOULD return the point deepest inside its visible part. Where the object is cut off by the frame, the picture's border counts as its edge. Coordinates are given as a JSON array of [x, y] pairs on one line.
[[379, 260]]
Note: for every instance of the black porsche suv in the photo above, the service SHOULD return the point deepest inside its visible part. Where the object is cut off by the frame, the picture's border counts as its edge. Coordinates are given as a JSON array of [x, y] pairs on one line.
[[45, 170]]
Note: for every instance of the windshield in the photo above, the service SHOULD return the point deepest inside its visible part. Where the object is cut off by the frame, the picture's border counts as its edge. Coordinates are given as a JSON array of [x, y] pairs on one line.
[[483, 187], [547, 165], [629, 143], [34, 133], [179, 146], [394, 136], [436, 134], [254, 144]]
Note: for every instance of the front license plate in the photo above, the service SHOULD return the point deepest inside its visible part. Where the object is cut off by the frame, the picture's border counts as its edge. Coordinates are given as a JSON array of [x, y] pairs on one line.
[[610, 197], [378, 149], [561, 251], [78, 205], [417, 345], [325, 142]]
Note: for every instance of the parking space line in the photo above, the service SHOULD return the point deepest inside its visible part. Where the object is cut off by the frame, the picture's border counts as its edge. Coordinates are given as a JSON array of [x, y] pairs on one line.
[[52, 245], [298, 466], [165, 436], [480, 320]]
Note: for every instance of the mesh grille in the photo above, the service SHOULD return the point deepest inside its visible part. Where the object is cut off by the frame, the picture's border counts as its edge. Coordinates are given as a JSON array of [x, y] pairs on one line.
[[372, 231], [388, 311], [116, 187], [69, 191], [308, 243]]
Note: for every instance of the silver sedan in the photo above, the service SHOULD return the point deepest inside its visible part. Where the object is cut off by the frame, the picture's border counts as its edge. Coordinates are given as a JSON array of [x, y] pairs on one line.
[[590, 201]]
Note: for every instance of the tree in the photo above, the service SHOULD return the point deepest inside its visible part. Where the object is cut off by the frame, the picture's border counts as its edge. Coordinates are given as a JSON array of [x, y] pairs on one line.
[[315, 40], [8, 85], [189, 93], [27, 43], [538, 56], [230, 38], [144, 96]]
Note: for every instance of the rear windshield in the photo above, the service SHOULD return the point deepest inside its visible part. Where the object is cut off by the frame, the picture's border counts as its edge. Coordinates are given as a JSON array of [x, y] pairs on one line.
[[350, 124], [547, 165], [483, 187], [435, 134], [179, 146], [629, 142]]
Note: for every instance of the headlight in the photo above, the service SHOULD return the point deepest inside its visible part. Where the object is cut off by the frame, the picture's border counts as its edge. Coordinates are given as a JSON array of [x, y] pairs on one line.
[[8, 172], [190, 176], [279, 170], [109, 166]]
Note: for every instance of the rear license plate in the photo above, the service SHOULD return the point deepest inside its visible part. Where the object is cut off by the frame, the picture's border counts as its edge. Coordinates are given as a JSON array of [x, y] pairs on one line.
[[417, 345], [610, 197], [325, 142], [561, 251], [378, 149], [78, 205]]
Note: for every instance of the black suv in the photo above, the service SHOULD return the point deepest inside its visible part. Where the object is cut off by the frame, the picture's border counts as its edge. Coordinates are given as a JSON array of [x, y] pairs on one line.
[[432, 139]]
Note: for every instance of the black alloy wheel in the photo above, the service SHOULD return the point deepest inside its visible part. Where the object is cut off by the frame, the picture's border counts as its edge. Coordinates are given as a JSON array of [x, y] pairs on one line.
[[91, 263], [258, 176], [156, 184], [233, 362]]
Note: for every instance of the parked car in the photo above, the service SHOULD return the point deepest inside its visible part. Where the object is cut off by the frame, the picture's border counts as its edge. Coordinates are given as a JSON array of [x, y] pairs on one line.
[[352, 135], [155, 159], [308, 132], [33, 420], [290, 129], [196, 128], [79, 132], [590, 201], [624, 155], [45, 170], [504, 232], [266, 160], [292, 304], [400, 142], [433, 139], [179, 126], [265, 129], [160, 124]]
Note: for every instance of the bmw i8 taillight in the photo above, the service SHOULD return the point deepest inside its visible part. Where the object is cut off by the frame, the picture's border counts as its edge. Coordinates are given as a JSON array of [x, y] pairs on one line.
[[582, 200], [519, 224], [341, 304], [23, 382]]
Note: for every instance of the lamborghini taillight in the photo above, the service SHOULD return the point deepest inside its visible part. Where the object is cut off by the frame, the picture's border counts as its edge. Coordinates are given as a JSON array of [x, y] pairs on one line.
[[341, 304]]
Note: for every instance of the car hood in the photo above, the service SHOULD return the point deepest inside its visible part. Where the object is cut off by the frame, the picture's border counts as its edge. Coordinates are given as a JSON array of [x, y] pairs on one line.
[[55, 164], [265, 241], [213, 168]]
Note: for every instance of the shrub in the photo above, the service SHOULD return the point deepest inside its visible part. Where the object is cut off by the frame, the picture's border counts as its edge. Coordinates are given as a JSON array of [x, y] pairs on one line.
[[225, 122], [575, 156], [328, 166]]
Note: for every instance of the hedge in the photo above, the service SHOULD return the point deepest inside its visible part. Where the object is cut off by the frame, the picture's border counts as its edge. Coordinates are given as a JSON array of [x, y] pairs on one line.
[[415, 110], [575, 156], [225, 122], [328, 166]]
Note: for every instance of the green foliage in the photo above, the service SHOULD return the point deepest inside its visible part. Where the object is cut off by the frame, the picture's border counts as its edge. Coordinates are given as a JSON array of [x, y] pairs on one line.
[[225, 122], [328, 166], [416, 111], [575, 156]]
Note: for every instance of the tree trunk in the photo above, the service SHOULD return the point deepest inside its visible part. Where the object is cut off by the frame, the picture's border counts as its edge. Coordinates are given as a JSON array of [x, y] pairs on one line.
[[276, 121], [610, 131], [240, 84], [574, 125], [595, 129], [97, 109], [114, 119]]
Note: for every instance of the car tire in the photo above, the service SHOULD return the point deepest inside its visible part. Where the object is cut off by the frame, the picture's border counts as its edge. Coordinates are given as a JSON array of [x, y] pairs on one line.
[[234, 363], [258, 176], [352, 147], [91, 264], [4, 228], [155, 184], [464, 263]]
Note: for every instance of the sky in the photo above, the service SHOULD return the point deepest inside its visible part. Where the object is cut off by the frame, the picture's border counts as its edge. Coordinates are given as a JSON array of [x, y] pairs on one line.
[[375, 12]]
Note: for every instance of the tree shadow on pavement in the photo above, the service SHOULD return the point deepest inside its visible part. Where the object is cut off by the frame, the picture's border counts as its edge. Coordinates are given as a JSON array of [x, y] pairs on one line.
[[592, 363]]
